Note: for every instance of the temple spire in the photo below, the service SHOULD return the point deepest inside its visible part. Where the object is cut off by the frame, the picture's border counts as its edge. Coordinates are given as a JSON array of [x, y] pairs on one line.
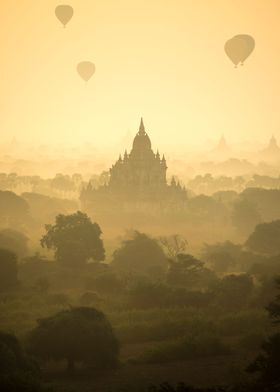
[[125, 157], [142, 127], [273, 142]]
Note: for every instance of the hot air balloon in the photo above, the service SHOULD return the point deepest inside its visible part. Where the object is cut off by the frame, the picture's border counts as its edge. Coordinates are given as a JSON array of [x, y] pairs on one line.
[[239, 48], [86, 69], [250, 42], [64, 13]]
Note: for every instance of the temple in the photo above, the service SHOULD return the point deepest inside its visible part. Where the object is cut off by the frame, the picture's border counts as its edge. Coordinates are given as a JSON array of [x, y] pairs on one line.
[[138, 176], [271, 152], [141, 171]]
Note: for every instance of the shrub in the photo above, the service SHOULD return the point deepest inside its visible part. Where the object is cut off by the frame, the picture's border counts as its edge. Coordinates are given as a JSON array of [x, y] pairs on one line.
[[8, 269], [184, 349], [18, 372], [89, 298]]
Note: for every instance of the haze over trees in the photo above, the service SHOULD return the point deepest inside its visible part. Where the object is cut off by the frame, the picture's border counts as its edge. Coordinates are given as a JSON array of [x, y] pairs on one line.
[[8, 269], [199, 295], [265, 238], [153, 296]]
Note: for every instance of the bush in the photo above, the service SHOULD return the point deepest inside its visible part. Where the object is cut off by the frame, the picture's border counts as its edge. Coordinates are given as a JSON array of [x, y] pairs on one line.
[[241, 323], [18, 372], [21, 382], [58, 299], [8, 269], [106, 284], [181, 387], [158, 330], [185, 349], [145, 295], [89, 298], [251, 341]]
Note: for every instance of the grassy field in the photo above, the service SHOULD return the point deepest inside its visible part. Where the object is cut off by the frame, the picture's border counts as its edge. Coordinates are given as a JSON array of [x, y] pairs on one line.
[[199, 347]]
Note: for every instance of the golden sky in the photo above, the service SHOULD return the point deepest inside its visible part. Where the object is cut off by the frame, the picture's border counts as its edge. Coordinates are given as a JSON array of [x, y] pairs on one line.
[[160, 59]]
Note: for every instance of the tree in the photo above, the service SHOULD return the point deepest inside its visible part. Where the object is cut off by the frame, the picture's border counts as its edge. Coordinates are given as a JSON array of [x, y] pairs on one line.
[[8, 269], [273, 307], [14, 240], [267, 363], [18, 372], [229, 257], [63, 183], [145, 294], [266, 200], [187, 271], [234, 291], [107, 283], [12, 357], [75, 239], [44, 208], [245, 216], [222, 256], [13, 208], [204, 208], [81, 334], [174, 245], [265, 239], [140, 254]]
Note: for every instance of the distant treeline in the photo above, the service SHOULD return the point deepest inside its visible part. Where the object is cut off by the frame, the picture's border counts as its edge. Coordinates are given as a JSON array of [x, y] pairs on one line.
[[64, 185]]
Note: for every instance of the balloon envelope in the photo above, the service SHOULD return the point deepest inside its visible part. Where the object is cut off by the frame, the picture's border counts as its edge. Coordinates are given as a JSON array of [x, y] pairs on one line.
[[236, 49], [250, 42], [86, 69], [64, 13]]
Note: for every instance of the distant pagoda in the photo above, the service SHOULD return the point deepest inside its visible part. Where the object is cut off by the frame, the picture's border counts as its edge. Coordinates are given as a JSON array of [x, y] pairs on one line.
[[272, 151], [222, 147], [273, 146]]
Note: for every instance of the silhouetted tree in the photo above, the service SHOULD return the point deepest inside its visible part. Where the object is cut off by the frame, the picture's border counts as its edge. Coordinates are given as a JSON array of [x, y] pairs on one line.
[[8, 269], [75, 239], [13, 208], [245, 216], [274, 306], [265, 238], [181, 387], [228, 257], [174, 245], [44, 208], [267, 201], [234, 291], [189, 272], [106, 283], [18, 372], [145, 294], [15, 241], [221, 256], [63, 183], [12, 357], [140, 254], [78, 335], [267, 363], [204, 207], [42, 285]]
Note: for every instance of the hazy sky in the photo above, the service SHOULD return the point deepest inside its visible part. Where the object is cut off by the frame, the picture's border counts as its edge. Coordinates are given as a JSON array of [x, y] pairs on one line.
[[160, 59]]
